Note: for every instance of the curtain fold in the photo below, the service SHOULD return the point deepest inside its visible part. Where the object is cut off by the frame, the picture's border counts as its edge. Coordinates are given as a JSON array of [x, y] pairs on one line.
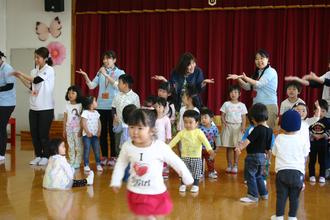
[[223, 42]]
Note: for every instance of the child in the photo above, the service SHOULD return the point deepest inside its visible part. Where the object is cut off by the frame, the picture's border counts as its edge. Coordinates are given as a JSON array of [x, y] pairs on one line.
[[59, 174], [319, 143], [293, 89], [192, 139], [125, 97], [91, 132], [290, 151], [149, 102], [166, 91], [147, 195], [71, 125], [257, 144], [212, 134], [233, 117], [163, 127], [190, 101]]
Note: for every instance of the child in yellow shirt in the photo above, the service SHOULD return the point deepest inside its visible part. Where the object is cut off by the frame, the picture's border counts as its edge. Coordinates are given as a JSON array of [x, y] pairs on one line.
[[192, 139]]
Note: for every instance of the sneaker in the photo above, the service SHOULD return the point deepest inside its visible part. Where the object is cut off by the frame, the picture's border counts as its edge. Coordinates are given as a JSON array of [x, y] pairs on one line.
[[99, 168], [303, 187], [234, 170], [112, 162], [43, 161], [274, 217], [2, 157], [264, 197], [194, 189], [312, 179], [292, 218], [182, 188], [247, 200], [90, 178], [321, 179], [265, 182], [228, 170], [104, 161], [165, 176], [35, 161], [213, 175], [87, 169]]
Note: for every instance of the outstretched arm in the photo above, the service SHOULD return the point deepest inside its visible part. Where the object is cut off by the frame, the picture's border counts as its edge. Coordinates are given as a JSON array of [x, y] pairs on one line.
[[90, 84]]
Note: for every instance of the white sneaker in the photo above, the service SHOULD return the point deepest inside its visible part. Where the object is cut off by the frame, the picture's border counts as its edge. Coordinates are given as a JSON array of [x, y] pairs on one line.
[[265, 182], [87, 169], [292, 218], [2, 157], [228, 170], [182, 188], [234, 170], [321, 179], [90, 178], [247, 200], [213, 175], [194, 189], [274, 217], [43, 161], [35, 161], [99, 168], [312, 179], [104, 162]]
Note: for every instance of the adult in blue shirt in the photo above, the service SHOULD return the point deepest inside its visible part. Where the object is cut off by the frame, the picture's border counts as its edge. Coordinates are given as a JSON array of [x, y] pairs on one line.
[[7, 101], [186, 72], [107, 81], [263, 84]]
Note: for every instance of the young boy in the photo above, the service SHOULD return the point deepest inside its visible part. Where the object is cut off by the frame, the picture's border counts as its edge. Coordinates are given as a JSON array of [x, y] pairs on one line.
[[212, 134], [125, 97], [290, 151], [192, 139], [293, 89], [257, 145], [319, 143]]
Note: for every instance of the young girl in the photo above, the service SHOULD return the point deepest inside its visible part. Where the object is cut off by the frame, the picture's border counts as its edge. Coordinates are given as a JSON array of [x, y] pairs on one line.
[[190, 101], [71, 125], [257, 145], [163, 127], [59, 174], [233, 120], [166, 91], [91, 126], [147, 196]]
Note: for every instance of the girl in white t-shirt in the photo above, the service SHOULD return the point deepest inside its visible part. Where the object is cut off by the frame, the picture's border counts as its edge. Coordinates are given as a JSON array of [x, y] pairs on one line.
[[71, 125], [91, 126], [147, 196], [233, 118]]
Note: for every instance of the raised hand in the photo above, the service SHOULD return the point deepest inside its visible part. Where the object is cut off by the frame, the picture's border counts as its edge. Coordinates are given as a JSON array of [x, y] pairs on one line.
[[159, 78], [233, 76], [80, 71]]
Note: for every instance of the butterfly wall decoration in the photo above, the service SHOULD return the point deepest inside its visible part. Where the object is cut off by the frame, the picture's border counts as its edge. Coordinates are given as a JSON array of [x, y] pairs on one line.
[[43, 31]]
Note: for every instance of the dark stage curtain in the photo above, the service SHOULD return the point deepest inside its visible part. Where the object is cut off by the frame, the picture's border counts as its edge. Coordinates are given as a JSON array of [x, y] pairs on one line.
[[223, 41]]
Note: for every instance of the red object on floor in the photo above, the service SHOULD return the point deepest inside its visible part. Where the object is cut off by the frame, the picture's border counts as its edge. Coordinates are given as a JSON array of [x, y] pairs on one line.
[[12, 138]]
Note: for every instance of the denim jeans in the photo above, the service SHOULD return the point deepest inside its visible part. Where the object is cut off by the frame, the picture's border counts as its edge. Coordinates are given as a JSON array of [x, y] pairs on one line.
[[94, 141], [288, 185], [253, 170]]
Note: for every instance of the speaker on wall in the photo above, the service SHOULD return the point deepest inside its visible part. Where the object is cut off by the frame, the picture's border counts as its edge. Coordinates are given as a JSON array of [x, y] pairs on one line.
[[54, 5]]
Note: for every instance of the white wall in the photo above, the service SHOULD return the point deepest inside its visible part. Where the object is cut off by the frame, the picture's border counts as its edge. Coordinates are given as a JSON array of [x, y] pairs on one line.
[[21, 17], [3, 26]]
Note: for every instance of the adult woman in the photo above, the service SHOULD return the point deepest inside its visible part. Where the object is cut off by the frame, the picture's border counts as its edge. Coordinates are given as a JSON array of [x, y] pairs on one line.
[[7, 101], [107, 81], [41, 114], [186, 72], [263, 84]]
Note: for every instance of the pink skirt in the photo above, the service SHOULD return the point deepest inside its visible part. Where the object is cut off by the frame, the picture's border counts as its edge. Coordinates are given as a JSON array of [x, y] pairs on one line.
[[140, 204]]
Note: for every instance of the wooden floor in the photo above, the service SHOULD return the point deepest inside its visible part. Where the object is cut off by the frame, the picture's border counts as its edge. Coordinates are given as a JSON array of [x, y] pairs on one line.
[[22, 196]]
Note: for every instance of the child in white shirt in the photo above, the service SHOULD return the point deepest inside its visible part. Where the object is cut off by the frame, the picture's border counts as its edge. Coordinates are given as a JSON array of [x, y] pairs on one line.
[[147, 194], [293, 89]]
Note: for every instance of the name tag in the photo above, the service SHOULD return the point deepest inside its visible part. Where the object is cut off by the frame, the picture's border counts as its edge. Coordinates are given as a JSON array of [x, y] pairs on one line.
[[105, 95]]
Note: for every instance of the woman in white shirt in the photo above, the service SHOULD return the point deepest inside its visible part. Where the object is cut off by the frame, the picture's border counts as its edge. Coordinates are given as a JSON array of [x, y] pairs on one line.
[[41, 114]]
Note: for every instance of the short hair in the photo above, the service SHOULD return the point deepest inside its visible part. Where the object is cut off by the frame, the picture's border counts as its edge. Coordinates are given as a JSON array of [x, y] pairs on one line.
[[259, 112], [161, 101], [87, 102], [76, 89], [53, 146], [143, 117], [127, 111], [206, 111], [126, 79], [323, 104], [110, 54], [150, 99], [191, 114], [233, 88], [183, 63], [293, 84]]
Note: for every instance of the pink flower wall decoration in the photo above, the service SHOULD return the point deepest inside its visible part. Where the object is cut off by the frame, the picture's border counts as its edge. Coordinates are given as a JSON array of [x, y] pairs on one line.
[[57, 52]]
